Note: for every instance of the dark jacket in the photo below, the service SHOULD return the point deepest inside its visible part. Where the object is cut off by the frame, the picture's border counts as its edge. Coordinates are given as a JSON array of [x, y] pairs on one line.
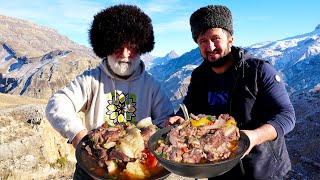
[[257, 98]]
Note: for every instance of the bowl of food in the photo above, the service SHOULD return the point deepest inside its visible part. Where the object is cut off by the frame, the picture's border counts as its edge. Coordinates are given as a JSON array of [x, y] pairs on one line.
[[120, 152], [200, 148]]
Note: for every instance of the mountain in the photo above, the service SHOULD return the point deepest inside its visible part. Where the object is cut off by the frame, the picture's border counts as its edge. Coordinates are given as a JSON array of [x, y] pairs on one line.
[[175, 74], [303, 140], [296, 58], [36, 60], [147, 58], [164, 60], [31, 40], [164, 71], [156, 61]]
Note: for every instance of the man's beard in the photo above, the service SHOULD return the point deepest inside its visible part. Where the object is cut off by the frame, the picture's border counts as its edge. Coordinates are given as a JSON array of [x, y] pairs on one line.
[[123, 67], [219, 62]]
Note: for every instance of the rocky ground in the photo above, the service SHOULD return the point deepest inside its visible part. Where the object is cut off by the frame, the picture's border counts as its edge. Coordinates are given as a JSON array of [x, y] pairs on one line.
[[304, 141], [30, 148]]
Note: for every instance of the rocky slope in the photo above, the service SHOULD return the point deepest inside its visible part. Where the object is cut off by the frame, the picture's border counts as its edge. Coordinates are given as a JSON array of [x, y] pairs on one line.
[[36, 61], [303, 142], [32, 40], [30, 148]]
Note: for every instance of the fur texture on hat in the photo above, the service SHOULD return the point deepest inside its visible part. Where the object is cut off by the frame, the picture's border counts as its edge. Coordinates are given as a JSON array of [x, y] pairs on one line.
[[212, 16], [116, 25]]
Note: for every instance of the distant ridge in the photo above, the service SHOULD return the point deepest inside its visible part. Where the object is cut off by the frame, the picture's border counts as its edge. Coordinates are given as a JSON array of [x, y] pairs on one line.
[[36, 60]]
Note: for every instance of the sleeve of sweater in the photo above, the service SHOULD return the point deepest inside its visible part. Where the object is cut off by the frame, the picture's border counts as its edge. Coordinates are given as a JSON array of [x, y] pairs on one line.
[[162, 108], [63, 107], [276, 96]]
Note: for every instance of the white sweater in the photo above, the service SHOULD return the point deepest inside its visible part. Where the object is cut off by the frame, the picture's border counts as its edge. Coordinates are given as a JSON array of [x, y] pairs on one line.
[[104, 97]]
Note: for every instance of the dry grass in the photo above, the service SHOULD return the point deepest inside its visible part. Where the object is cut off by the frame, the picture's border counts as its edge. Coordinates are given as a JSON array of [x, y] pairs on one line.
[[8, 101]]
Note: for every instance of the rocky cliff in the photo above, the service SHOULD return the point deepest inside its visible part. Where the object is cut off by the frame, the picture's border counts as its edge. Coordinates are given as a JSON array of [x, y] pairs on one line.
[[36, 61], [30, 148]]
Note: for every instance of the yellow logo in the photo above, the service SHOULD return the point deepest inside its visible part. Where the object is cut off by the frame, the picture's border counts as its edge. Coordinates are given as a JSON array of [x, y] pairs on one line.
[[121, 107]]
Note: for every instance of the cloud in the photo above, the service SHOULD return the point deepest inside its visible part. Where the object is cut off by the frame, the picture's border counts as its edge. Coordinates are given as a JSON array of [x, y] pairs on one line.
[[51, 12], [79, 10], [181, 24], [159, 6]]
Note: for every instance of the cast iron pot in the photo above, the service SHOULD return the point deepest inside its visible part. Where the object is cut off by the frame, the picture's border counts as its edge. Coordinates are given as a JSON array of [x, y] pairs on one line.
[[198, 171], [90, 164]]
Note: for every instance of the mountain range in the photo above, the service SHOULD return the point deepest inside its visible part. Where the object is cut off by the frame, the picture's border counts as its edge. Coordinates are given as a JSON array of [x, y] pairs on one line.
[[35, 61], [296, 58]]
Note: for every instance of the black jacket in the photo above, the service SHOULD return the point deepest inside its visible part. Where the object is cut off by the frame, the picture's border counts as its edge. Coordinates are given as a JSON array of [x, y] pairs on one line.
[[256, 98]]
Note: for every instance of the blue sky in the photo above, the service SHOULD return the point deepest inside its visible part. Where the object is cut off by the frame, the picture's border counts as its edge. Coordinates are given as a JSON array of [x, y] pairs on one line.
[[254, 20]]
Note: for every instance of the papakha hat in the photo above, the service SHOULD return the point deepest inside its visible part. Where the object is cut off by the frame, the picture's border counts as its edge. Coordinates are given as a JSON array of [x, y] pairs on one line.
[[212, 16], [116, 25]]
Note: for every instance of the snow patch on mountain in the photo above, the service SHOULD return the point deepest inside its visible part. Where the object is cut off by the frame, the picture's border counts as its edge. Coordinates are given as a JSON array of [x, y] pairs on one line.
[[156, 61], [297, 58]]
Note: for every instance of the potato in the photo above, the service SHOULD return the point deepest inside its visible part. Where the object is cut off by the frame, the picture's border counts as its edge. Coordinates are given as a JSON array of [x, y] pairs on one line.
[[136, 170], [144, 123], [132, 143]]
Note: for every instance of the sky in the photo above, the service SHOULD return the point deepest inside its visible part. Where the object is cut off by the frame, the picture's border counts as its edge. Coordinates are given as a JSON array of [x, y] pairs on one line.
[[254, 20]]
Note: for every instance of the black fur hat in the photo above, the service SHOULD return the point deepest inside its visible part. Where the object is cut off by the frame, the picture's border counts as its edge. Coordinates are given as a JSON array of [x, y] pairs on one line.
[[212, 16], [116, 25]]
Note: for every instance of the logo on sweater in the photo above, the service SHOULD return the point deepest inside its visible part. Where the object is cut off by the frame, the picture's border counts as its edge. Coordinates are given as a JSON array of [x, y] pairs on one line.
[[121, 107]]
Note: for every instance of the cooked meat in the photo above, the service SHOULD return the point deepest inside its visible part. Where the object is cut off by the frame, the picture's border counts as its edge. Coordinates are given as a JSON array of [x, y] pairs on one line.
[[147, 132], [193, 156], [213, 140], [194, 142], [232, 133], [203, 140], [118, 155], [114, 147], [102, 153], [175, 154], [176, 138]]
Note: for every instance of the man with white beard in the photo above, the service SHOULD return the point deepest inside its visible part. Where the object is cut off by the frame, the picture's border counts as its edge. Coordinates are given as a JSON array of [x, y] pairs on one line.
[[124, 61], [119, 89]]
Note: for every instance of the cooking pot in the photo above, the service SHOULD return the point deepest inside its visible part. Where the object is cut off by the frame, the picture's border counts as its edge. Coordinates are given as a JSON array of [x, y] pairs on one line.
[[198, 171], [90, 164]]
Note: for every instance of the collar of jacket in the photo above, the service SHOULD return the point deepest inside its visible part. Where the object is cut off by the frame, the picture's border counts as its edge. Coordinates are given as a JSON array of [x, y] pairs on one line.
[[240, 56], [136, 74]]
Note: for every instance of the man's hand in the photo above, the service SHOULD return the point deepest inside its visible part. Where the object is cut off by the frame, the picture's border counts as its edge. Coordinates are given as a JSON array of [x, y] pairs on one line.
[[252, 138], [260, 135], [174, 120], [78, 137]]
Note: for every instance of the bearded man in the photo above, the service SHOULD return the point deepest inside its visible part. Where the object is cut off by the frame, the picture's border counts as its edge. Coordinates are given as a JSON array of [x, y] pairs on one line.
[[119, 89], [231, 81]]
